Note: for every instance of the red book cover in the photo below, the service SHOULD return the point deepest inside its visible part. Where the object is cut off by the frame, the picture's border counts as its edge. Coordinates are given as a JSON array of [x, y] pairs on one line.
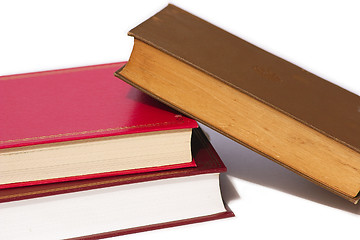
[[78, 103]]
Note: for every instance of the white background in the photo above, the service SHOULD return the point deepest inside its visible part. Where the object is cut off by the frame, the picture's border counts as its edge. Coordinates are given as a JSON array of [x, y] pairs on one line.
[[269, 201]]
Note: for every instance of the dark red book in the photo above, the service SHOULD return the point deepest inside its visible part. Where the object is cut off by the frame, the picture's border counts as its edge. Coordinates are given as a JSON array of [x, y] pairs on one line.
[[118, 205], [82, 123]]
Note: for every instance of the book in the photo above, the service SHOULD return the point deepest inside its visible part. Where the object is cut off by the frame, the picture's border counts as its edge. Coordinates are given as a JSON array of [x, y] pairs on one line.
[[117, 205], [83, 123], [272, 106]]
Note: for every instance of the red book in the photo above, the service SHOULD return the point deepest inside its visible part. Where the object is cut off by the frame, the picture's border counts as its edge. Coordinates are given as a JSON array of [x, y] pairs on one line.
[[117, 205], [83, 123]]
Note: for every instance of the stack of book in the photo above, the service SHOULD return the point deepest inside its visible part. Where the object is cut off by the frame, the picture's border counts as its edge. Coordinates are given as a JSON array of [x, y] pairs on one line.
[[84, 154], [89, 155]]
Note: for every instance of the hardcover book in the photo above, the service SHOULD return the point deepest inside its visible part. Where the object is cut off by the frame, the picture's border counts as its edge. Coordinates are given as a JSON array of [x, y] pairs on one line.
[[83, 123], [275, 108], [117, 205]]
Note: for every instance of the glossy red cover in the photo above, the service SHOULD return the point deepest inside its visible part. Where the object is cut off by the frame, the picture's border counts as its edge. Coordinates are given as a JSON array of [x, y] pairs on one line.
[[79, 103]]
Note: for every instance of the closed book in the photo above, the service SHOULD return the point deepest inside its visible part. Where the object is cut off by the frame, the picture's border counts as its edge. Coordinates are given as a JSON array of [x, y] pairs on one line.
[[117, 205], [272, 106], [83, 123]]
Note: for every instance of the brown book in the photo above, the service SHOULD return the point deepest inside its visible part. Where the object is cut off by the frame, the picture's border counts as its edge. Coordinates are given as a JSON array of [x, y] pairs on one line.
[[117, 205], [275, 108]]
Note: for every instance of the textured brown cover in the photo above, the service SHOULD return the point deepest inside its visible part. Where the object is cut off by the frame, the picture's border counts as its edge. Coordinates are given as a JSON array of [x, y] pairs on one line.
[[319, 104]]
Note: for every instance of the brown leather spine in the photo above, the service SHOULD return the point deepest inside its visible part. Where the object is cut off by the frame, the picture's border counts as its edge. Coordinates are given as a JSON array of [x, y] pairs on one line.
[[315, 102]]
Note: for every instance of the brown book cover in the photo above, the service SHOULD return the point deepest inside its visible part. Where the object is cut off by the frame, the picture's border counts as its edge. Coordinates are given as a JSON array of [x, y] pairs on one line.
[[205, 156], [327, 114]]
